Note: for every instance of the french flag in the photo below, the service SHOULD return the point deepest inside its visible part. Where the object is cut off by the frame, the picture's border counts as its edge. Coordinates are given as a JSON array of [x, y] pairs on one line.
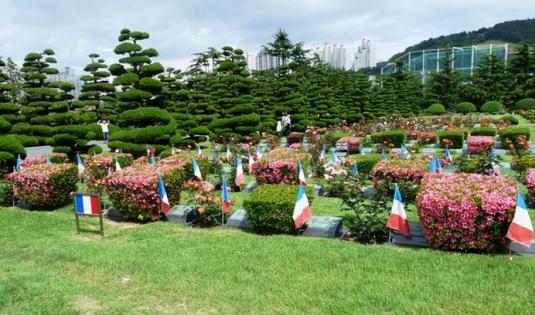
[[117, 165], [434, 165], [164, 201], [48, 162], [196, 169], [521, 229], [383, 155], [447, 155], [152, 159], [87, 204], [301, 174], [334, 158], [18, 166], [148, 149], [398, 217], [495, 169], [199, 151], [80, 162], [229, 155], [240, 178], [355, 169], [251, 162], [225, 198], [259, 153], [404, 152], [302, 212], [173, 150], [322, 155]]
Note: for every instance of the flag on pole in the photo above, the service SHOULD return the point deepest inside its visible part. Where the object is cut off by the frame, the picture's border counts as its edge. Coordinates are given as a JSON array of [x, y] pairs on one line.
[[109, 171], [48, 162], [259, 153], [302, 212], [148, 149], [495, 169], [355, 168], [164, 201], [225, 198], [404, 152], [94, 153], [18, 166], [152, 160], [322, 155], [398, 217], [80, 162], [173, 150], [301, 174], [251, 162], [87, 204], [240, 177], [334, 158], [438, 166], [214, 158], [196, 169], [199, 151], [447, 155], [521, 229], [229, 155], [434, 165], [383, 155], [117, 165]]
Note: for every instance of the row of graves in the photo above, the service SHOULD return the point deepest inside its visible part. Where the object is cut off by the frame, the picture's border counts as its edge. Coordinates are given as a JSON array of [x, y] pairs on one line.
[[449, 194]]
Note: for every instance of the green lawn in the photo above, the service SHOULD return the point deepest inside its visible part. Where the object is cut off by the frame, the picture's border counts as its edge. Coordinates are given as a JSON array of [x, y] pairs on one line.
[[166, 268]]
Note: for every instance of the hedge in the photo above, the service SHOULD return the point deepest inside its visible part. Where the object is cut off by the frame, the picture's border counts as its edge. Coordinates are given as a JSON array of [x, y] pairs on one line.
[[396, 137], [270, 208], [510, 118], [436, 109], [483, 131], [456, 137], [491, 107], [6, 194], [465, 107], [512, 134], [366, 163], [526, 103]]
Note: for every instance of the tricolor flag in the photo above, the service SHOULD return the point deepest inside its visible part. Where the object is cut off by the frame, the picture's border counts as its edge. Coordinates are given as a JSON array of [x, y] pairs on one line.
[[301, 174], [109, 171], [438, 166], [152, 159], [434, 165], [225, 198], [322, 155], [398, 217], [250, 162], [87, 204], [48, 162], [302, 211], [240, 178], [447, 155], [495, 169], [521, 229], [214, 158], [383, 155], [148, 149], [355, 169], [199, 151], [173, 150], [229, 155], [117, 165], [259, 153], [164, 201], [94, 153], [80, 162], [18, 166], [334, 158], [196, 169], [404, 152]]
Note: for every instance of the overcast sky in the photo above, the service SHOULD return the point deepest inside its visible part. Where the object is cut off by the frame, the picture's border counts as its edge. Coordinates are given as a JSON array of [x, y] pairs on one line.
[[75, 28]]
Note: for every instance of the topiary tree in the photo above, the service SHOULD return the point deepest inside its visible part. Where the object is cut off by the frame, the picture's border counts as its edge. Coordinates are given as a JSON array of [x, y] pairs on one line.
[[135, 71], [491, 107], [526, 104], [465, 107], [9, 93], [436, 109], [98, 94]]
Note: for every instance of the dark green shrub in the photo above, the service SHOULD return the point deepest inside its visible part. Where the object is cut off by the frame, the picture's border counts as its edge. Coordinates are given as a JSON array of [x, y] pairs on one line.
[[396, 137], [526, 104], [465, 107], [12, 145], [144, 116], [5, 125], [6, 194], [483, 131], [491, 107], [366, 163], [510, 118], [436, 109], [95, 149], [456, 138], [523, 163], [62, 149], [270, 208], [64, 139], [27, 141], [512, 134], [200, 130]]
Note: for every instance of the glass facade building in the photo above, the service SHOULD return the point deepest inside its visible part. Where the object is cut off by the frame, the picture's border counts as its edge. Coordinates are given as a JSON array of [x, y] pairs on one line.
[[465, 59]]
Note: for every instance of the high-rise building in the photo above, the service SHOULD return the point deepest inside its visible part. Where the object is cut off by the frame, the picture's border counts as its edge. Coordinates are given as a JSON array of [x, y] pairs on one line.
[[341, 57], [68, 75], [263, 61]]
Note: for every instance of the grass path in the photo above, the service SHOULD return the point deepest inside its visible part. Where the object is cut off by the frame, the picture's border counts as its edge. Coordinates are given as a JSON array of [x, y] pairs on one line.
[[165, 268]]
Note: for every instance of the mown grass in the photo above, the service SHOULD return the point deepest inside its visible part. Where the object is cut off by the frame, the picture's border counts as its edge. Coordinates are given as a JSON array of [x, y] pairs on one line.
[[166, 268]]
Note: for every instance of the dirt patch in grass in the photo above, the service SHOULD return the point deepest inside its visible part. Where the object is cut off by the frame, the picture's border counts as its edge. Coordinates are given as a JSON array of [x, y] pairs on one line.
[[86, 305]]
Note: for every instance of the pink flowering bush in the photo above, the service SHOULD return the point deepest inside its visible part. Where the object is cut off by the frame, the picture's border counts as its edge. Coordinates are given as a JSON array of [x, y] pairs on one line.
[[45, 186], [134, 190], [530, 181], [99, 166], [466, 212], [41, 159], [278, 166], [480, 144], [408, 174], [295, 146], [352, 144]]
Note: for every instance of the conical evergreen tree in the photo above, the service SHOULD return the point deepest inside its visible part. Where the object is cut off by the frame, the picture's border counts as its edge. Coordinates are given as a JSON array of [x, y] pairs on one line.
[[98, 94]]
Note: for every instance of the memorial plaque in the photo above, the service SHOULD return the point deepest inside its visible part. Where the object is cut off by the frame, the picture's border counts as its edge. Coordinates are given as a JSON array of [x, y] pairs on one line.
[[238, 220], [250, 187], [181, 214], [417, 238], [320, 226]]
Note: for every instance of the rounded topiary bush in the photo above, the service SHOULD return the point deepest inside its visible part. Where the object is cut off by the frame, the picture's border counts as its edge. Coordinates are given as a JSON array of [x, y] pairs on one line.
[[465, 107], [525, 103], [491, 107], [466, 212], [270, 208], [510, 119], [10, 148], [6, 193], [436, 109], [5, 125]]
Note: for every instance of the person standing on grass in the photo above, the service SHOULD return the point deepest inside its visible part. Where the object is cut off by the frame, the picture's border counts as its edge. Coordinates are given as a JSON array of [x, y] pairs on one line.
[[104, 125]]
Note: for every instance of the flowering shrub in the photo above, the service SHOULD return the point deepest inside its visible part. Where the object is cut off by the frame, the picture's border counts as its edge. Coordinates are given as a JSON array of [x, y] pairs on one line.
[[45, 186], [466, 212], [278, 167], [295, 146], [133, 191], [426, 137], [207, 203], [480, 144], [530, 182], [352, 144], [41, 159], [406, 173], [97, 168], [186, 158]]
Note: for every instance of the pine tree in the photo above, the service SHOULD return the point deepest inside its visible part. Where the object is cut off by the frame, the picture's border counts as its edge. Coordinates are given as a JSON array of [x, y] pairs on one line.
[[443, 86], [97, 92], [491, 82]]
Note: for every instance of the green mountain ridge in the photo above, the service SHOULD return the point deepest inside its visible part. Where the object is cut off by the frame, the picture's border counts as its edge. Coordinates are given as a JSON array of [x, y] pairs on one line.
[[515, 31]]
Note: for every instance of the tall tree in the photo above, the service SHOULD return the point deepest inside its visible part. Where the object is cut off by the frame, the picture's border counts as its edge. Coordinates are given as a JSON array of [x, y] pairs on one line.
[[493, 81], [97, 92], [443, 86]]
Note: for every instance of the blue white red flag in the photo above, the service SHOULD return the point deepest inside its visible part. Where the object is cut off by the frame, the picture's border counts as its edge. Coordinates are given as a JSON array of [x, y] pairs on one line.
[[301, 174], [164, 201], [240, 177], [117, 165], [521, 229], [152, 159], [355, 169], [18, 166], [383, 155], [398, 217], [80, 163], [302, 211], [196, 169], [225, 198], [87, 204], [250, 161]]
